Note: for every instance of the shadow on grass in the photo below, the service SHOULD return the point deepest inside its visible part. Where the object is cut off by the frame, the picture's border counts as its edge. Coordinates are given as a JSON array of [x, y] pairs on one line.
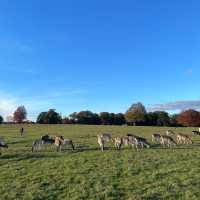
[[52, 153], [29, 156]]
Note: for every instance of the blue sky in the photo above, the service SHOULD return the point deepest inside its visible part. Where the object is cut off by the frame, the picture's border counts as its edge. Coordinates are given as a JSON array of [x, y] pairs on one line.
[[99, 55]]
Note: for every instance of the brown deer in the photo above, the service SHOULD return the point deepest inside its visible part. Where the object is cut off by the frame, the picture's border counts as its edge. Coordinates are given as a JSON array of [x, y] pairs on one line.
[[155, 137], [167, 141], [102, 139], [118, 142], [183, 139]]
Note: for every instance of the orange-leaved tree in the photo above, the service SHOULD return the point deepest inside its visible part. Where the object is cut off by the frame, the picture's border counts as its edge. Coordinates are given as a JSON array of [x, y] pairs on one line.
[[20, 114], [189, 118]]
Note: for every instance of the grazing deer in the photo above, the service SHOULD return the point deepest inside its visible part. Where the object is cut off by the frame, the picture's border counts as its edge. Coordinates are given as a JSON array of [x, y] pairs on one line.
[[2, 145], [155, 137], [44, 140], [126, 141], [37, 144], [183, 139], [196, 132], [58, 141], [141, 143], [130, 136], [137, 142], [167, 141], [67, 142], [102, 139], [118, 142], [170, 133]]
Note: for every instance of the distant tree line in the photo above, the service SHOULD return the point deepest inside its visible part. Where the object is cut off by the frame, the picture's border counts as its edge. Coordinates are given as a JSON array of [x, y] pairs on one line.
[[83, 117], [136, 115]]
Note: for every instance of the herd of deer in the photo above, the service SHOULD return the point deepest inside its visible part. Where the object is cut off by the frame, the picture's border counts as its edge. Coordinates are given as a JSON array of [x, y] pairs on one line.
[[132, 140], [137, 142]]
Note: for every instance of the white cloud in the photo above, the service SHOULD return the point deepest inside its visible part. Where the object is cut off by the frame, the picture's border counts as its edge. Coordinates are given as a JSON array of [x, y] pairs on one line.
[[7, 106], [177, 105], [37, 103]]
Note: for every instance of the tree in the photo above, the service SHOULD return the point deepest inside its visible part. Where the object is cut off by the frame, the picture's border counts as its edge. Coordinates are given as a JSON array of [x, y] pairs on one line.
[[173, 120], [73, 117], [87, 117], [111, 118], [67, 120], [1, 119], [41, 119], [162, 118], [189, 118], [105, 118], [152, 118], [119, 119], [20, 114], [136, 114], [50, 117]]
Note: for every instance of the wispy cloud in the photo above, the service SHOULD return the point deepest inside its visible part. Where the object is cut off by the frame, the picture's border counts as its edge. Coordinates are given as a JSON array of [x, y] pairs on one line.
[[80, 91], [14, 45], [12, 69], [189, 71], [177, 105]]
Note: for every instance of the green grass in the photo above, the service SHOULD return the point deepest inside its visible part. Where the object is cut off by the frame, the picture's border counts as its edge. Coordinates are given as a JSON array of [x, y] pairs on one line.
[[87, 173]]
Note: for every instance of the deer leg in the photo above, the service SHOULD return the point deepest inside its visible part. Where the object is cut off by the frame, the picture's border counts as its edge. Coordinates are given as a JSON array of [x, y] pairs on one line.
[[72, 146]]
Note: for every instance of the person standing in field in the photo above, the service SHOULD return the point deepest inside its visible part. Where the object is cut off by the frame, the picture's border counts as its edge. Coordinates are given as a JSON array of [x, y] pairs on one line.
[[22, 131]]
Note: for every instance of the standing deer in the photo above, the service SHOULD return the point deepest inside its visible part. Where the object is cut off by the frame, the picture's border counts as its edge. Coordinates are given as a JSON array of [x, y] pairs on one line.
[[155, 137], [102, 139], [118, 142]]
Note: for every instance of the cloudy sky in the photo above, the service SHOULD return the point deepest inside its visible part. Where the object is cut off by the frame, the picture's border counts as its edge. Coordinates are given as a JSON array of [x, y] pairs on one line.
[[99, 55]]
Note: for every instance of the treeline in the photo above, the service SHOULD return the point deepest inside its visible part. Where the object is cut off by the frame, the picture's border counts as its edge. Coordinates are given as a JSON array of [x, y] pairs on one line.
[[136, 115], [83, 117]]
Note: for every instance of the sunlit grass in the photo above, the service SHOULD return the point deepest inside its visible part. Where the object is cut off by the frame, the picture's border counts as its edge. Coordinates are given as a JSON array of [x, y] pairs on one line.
[[87, 173]]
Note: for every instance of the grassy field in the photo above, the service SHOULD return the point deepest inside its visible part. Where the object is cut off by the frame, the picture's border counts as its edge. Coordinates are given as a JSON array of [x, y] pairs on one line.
[[87, 173]]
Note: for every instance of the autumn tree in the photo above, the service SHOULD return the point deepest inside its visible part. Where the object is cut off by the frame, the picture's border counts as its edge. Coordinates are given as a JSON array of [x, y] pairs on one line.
[[136, 114], [20, 114], [189, 118]]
